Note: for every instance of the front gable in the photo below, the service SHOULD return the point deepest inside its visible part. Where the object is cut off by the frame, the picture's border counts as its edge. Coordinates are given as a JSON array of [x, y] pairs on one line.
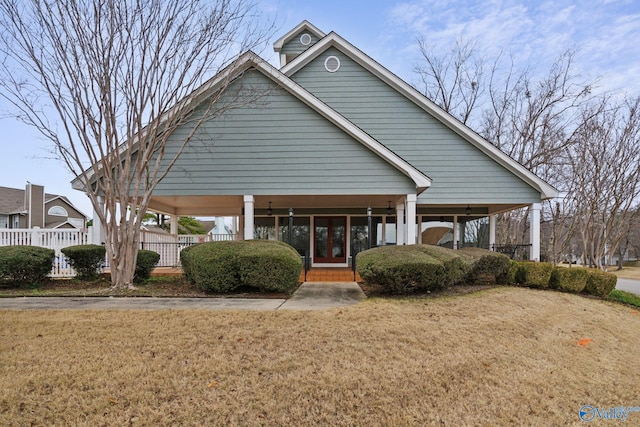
[[277, 145], [463, 167]]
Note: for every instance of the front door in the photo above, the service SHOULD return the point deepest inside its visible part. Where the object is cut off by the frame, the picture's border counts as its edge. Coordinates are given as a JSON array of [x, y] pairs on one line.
[[330, 240]]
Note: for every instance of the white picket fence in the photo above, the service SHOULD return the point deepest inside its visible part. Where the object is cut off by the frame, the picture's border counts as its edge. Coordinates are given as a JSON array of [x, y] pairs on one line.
[[167, 245], [55, 239]]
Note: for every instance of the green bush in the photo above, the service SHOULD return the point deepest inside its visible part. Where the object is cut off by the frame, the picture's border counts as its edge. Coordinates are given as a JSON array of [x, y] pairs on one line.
[[25, 264], [145, 262], [487, 266], [269, 265], [225, 266], [600, 283], [401, 269], [534, 274], [86, 260], [185, 262], [569, 279], [456, 264]]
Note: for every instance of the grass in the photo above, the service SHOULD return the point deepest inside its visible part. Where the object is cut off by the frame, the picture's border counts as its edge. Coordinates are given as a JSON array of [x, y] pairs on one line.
[[624, 297], [626, 272], [504, 356]]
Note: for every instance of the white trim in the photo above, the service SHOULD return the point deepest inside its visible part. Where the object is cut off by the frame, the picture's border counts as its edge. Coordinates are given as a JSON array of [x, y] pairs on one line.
[[305, 39], [400, 224], [411, 219], [329, 67], [334, 40], [493, 219]]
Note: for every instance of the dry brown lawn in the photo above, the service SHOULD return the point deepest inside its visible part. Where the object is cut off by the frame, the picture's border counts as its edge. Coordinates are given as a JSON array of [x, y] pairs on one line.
[[505, 356], [627, 272]]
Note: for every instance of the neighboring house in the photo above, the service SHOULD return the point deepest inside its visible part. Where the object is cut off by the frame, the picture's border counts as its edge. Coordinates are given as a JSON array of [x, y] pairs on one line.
[[33, 208], [334, 134]]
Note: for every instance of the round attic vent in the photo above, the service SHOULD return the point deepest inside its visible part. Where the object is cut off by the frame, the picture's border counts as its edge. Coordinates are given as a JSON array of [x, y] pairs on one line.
[[305, 39], [332, 64]]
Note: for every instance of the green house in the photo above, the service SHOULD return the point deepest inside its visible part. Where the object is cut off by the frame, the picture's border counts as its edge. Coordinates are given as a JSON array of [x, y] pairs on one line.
[[352, 153]]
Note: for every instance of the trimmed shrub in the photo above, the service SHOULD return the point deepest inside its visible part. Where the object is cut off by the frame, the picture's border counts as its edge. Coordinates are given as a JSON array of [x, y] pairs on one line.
[[569, 279], [401, 269], [487, 266], [185, 262], [25, 264], [225, 266], [86, 260], [213, 266], [600, 283], [534, 274], [269, 265], [457, 265], [145, 262]]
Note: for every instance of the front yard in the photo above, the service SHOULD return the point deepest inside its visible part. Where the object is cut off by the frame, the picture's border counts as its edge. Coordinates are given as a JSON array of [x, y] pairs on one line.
[[503, 356]]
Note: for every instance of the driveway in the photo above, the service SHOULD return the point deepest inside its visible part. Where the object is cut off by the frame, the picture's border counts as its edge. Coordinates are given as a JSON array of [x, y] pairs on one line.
[[629, 285], [309, 296]]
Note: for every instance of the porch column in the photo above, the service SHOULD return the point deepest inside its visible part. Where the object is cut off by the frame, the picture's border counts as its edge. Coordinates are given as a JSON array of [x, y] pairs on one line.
[[411, 219], [534, 229], [400, 229], [97, 235], [174, 224], [248, 217], [456, 232], [492, 231]]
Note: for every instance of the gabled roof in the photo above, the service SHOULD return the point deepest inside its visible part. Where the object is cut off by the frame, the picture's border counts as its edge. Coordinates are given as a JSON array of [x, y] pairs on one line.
[[251, 60], [334, 40], [304, 25]]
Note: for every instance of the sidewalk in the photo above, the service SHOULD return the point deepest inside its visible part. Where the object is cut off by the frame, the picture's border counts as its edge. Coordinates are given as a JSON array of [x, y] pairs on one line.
[[309, 296]]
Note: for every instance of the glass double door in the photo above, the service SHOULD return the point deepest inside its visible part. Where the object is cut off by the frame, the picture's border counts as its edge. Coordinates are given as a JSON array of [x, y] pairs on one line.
[[330, 237]]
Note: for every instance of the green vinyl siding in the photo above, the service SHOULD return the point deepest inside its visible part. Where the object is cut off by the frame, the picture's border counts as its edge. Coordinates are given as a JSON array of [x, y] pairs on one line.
[[275, 145], [294, 47], [460, 172]]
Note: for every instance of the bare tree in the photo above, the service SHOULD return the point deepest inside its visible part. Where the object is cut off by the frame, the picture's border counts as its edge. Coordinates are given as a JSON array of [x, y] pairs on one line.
[[454, 81], [119, 77], [606, 169]]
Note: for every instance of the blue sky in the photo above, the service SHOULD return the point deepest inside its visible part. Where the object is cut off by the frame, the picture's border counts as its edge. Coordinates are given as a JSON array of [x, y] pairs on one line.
[[606, 34]]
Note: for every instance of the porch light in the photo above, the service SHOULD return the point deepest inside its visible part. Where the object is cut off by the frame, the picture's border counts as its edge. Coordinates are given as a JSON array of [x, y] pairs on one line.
[[290, 212], [269, 210], [369, 210], [468, 210]]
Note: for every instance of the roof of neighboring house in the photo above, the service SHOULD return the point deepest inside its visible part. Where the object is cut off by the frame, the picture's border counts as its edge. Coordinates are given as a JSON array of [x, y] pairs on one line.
[[12, 200]]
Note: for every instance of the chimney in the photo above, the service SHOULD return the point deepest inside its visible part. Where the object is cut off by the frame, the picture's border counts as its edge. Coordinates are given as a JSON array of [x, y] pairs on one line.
[[34, 204]]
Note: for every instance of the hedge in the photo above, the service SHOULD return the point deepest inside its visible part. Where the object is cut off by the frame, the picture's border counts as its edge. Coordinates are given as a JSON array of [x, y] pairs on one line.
[[225, 266], [487, 266], [600, 283], [401, 269], [25, 264], [533, 274], [86, 260], [145, 262], [456, 264], [569, 279]]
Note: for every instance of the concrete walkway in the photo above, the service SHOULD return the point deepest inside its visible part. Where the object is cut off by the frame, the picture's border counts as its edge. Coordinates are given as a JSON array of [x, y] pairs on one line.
[[309, 296]]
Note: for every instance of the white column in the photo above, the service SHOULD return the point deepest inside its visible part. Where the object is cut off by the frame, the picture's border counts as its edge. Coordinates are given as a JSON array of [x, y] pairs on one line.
[[400, 229], [248, 217], [98, 232], [411, 219], [534, 229], [492, 231], [456, 232], [173, 224]]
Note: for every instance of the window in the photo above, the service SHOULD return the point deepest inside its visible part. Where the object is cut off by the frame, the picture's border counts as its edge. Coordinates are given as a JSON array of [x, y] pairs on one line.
[[57, 211], [4, 221], [305, 39], [332, 64]]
